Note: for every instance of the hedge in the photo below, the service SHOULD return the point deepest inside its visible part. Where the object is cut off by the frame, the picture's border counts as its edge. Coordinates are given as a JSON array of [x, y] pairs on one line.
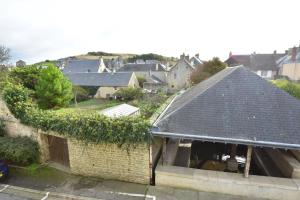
[[2, 126], [19, 150], [92, 127]]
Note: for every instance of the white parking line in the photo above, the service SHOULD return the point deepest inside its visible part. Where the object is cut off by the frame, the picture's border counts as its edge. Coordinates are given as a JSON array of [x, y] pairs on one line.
[[134, 195], [4, 188], [45, 197]]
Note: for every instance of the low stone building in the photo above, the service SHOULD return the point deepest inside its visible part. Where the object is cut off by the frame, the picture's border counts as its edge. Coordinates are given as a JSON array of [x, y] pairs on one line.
[[20, 63], [108, 83]]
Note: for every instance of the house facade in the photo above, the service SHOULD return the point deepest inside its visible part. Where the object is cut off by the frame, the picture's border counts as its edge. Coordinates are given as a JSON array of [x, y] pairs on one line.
[[289, 65], [264, 65], [108, 82], [178, 76], [20, 63]]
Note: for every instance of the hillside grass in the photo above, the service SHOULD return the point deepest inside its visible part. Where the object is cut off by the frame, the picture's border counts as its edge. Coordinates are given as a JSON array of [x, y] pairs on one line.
[[90, 106]]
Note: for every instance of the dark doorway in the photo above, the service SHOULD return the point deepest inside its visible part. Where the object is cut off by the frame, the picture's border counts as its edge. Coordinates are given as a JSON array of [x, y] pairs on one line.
[[58, 149]]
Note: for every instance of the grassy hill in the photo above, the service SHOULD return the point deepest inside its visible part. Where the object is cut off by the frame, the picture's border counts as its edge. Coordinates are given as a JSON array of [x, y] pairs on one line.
[[127, 57]]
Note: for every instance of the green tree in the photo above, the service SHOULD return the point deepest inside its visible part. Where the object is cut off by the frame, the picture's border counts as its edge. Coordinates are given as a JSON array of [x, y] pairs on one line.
[[207, 69], [292, 88], [130, 93], [53, 89], [27, 76], [214, 66], [4, 54], [80, 93]]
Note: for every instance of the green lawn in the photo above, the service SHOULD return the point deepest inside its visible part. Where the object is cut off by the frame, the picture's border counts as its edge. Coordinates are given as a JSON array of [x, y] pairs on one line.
[[91, 105]]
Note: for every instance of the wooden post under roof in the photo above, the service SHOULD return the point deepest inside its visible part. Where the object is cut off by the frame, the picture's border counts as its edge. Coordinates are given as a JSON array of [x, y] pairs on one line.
[[248, 161], [164, 151]]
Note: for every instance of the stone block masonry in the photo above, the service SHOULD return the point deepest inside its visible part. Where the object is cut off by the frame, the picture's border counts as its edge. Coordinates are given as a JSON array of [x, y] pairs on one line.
[[110, 161], [106, 161]]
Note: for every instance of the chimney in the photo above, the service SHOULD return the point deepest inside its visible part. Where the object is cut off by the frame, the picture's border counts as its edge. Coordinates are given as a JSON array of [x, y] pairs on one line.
[[187, 57], [182, 56], [197, 55], [286, 52], [230, 54], [294, 53], [275, 52]]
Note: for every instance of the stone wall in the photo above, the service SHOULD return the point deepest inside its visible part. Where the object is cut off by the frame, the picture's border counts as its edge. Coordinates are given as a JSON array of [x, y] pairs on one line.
[[14, 128], [102, 160], [228, 183], [109, 161]]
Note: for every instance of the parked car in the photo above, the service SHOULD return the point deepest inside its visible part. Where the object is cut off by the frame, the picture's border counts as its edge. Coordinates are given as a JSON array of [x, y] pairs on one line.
[[3, 170]]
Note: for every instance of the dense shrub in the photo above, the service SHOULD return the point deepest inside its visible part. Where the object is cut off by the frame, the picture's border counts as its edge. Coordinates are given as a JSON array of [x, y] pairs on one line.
[[149, 56], [3, 77], [90, 127], [53, 89], [150, 103], [207, 69], [27, 76], [80, 94], [2, 126], [20, 150], [129, 93], [290, 87], [141, 81]]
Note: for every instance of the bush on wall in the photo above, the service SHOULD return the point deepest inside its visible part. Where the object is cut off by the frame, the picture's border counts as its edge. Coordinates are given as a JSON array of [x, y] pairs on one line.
[[19, 150], [2, 126], [90, 127]]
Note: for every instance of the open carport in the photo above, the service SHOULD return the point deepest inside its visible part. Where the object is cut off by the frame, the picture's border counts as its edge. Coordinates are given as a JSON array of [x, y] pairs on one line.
[[234, 133]]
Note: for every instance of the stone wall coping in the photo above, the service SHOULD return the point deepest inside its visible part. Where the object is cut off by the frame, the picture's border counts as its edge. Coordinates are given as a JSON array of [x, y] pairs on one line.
[[231, 178]]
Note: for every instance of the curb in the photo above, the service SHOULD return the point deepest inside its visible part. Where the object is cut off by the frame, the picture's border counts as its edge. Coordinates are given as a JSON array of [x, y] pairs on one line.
[[47, 194]]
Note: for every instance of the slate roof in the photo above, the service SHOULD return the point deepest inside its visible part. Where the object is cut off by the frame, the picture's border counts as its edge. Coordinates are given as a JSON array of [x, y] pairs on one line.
[[182, 60], [234, 106], [118, 79], [155, 79], [196, 61], [133, 67], [255, 62], [79, 66], [288, 58]]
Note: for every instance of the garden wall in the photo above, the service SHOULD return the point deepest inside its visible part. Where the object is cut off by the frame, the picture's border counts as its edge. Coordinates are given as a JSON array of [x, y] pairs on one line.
[[109, 161], [100, 160], [14, 128]]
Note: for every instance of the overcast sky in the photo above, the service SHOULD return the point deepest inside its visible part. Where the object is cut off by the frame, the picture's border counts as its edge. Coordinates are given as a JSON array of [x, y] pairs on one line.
[[36, 30]]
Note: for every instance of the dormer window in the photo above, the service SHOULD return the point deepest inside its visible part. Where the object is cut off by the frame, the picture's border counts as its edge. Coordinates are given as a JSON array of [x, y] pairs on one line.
[[88, 70]]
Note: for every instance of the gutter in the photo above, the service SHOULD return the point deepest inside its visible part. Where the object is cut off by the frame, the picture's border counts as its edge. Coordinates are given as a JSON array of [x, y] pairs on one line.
[[227, 140]]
